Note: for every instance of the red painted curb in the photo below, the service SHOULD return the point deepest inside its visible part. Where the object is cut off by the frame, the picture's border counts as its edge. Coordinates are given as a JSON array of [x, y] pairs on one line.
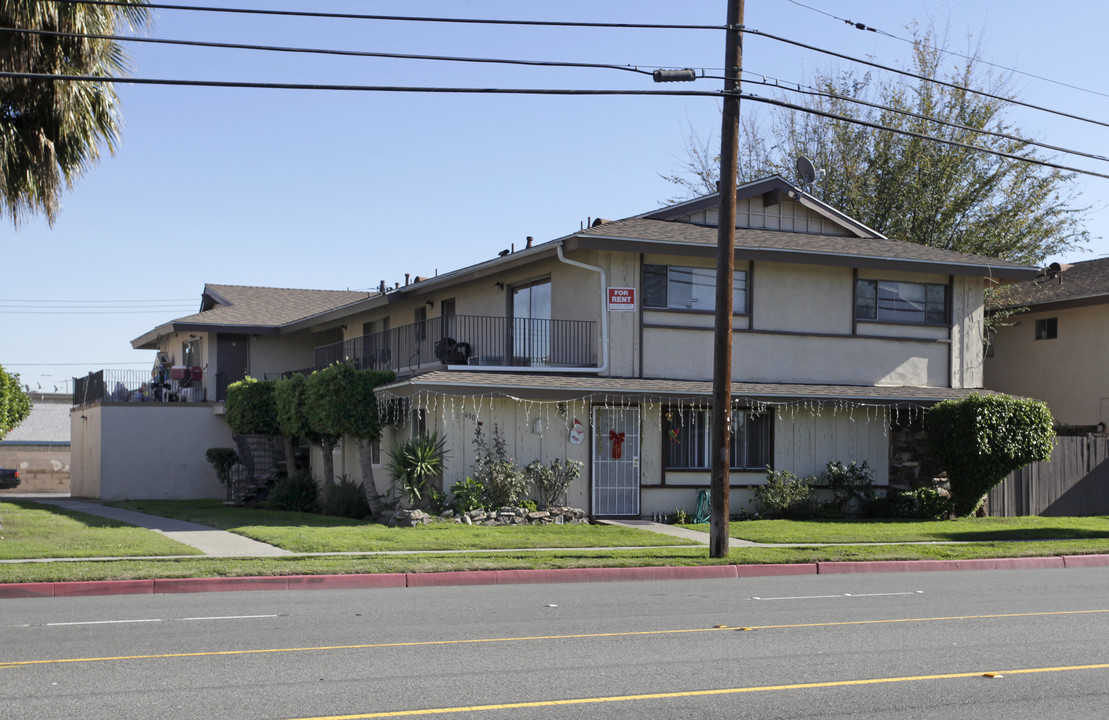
[[702, 572], [27, 590], [1035, 563], [452, 579], [346, 582], [103, 587], [1080, 561], [519, 577], [223, 584], [775, 570]]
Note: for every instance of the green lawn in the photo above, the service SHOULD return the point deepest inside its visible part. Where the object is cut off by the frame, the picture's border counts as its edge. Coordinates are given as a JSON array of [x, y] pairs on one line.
[[887, 531], [31, 530], [38, 531], [303, 532], [492, 560]]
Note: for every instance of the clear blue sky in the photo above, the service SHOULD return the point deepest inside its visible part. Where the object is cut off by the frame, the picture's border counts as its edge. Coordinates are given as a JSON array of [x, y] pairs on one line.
[[341, 190]]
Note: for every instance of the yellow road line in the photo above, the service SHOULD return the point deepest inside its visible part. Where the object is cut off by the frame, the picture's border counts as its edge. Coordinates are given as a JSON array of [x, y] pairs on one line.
[[474, 641], [695, 693]]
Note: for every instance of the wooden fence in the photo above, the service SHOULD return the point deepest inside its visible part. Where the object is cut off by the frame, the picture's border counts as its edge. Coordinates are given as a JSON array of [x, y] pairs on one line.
[[1074, 482]]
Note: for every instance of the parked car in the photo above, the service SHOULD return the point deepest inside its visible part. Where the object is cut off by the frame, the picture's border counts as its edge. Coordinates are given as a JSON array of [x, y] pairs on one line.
[[8, 478]]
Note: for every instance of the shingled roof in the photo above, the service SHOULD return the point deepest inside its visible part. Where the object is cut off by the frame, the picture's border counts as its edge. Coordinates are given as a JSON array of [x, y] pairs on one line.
[[254, 309], [757, 244], [1082, 283]]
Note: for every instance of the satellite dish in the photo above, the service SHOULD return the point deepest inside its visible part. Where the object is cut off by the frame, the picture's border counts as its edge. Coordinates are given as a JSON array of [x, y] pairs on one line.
[[806, 171]]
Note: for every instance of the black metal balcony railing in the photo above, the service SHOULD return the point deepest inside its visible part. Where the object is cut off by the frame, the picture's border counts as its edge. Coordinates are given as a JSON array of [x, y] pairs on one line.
[[137, 386], [468, 340]]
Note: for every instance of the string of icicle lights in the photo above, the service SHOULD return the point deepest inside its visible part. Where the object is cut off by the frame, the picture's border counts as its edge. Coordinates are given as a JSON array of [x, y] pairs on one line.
[[479, 407]]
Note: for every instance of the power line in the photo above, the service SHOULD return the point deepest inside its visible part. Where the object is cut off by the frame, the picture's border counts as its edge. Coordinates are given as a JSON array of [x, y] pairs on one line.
[[354, 88], [324, 51], [922, 77], [919, 116], [408, 18], [531, 91], [861, 26], [922, 136]]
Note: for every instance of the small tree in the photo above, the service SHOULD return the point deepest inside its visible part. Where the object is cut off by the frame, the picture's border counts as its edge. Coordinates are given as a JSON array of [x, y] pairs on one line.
[[292, 416], [552, 481], [15, 406], [981, 439], [339, 400]]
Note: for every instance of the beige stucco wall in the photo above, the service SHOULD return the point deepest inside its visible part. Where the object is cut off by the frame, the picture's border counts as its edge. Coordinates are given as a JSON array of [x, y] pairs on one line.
[[1069, 372], [804, 442], [130, 451]]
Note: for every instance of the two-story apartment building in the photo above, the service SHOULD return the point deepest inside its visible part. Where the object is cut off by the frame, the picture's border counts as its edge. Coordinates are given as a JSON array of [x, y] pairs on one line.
[[598, 347]]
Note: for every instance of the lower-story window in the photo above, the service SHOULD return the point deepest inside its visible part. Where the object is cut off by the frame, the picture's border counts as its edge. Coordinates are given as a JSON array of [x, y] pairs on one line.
[[688, 439]]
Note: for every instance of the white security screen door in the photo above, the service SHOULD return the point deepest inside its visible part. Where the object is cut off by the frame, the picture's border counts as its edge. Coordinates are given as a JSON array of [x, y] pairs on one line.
[[616, 461]]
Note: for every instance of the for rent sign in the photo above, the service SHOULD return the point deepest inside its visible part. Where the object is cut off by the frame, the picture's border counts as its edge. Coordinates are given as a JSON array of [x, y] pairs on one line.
[[621, 298]]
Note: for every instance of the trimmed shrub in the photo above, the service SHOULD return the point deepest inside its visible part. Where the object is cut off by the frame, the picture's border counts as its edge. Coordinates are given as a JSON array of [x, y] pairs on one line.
[[852, 485], [503, 480], [982, 438], [553, 480], [222, 460], [919, 504], [785, 495], [345, 498], [251, 409], [467, 495], [296, 493]]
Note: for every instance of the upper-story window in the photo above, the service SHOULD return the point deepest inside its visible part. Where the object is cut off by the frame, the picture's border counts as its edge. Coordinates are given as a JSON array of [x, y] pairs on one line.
[[684, 288], [1047, 328], [901, 302], [190, 352]]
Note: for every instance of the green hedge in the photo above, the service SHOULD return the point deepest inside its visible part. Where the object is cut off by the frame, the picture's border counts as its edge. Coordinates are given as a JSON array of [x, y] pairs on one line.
[[251, 408], [981, 439]]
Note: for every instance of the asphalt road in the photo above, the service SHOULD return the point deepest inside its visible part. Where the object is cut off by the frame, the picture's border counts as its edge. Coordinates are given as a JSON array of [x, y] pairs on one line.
[[899, 645]]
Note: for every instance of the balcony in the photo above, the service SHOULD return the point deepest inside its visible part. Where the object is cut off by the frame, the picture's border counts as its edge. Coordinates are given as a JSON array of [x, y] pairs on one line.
[[468, 340], [178, 385]]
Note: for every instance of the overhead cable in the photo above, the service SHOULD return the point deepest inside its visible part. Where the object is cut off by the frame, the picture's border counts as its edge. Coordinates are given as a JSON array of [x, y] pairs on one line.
[[352, 88], [531, 91], [796, 87], [972, 58], [906, 73], [324, 51], [922, 136], [405, 18]]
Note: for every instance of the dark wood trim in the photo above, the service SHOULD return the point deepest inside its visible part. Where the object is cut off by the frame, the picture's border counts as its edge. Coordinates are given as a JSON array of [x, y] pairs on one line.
[[639, 316], [797, 333], [854, 301]]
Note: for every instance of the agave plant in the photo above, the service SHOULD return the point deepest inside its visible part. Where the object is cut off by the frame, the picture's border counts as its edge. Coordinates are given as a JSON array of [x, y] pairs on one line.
[[415, 464]]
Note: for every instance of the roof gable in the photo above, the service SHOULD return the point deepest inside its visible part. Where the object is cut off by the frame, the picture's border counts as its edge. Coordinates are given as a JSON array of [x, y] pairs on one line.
[[769, 204]]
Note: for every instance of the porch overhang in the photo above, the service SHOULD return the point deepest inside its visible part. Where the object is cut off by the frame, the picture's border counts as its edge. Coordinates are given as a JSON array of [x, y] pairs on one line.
[[556, 387]]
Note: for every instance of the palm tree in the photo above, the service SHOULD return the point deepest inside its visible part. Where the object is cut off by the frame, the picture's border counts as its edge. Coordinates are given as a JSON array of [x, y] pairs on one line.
[[51, 130]]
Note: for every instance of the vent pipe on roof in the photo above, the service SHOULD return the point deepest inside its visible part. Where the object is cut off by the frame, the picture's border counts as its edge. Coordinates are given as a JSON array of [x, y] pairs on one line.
[[406, 277], [530, 240]]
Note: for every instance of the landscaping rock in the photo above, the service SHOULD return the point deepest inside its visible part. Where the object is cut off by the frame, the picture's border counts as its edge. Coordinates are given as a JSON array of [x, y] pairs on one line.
[[410, 518]]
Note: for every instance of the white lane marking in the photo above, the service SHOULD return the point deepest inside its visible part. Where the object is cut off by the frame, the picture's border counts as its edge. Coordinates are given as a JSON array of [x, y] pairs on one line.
[[231, 617], [149, 620], [825, 597], [103, 622]]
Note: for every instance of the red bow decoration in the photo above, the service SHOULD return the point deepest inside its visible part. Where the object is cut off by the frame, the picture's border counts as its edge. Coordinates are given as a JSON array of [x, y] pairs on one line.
[[617, 444]]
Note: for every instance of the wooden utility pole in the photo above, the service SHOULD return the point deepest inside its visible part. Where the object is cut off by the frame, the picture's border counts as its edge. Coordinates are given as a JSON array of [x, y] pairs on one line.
[[725, 272]]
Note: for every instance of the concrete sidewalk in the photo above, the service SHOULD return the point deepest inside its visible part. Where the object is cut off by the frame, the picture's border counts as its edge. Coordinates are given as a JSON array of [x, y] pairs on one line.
[[212, 542]]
